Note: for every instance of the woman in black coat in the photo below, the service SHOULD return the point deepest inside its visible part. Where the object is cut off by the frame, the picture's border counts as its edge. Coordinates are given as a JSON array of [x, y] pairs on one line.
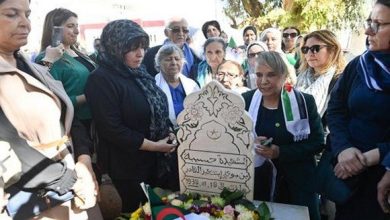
[[130, 111]]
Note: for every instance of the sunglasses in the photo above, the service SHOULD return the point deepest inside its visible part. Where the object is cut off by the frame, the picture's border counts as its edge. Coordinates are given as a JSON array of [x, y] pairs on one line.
[[177, 30], [291, 35], [253, 55], [314, 49]]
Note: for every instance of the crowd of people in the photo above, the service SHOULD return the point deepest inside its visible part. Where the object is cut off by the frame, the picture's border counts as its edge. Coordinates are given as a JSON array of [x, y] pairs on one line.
[[68, 118]]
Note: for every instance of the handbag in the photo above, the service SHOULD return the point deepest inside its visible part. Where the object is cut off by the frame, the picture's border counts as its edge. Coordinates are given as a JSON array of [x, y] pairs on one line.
[[10, 165], [25, 205], [326, 183]]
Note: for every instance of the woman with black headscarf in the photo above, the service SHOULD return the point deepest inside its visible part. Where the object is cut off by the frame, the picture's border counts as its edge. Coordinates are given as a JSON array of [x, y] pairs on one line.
[[130, 111]]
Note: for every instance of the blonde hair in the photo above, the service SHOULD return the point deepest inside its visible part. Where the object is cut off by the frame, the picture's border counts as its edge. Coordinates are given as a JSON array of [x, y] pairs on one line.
[[336, 57]]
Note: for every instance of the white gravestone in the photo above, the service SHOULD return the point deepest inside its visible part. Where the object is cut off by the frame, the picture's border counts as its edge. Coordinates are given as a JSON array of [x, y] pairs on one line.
[[215, 136]]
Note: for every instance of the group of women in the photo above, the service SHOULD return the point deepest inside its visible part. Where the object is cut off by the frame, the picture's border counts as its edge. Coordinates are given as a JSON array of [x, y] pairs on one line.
[[135, 114]]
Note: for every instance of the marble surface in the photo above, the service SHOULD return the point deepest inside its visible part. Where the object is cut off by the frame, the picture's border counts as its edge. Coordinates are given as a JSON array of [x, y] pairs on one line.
[[280, 211]]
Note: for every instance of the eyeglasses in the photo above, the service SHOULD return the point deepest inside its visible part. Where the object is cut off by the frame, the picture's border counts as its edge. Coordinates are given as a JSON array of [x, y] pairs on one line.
[[373, 25], [291, 35], [230, 75], [176, 30], [253, 55], [314, 49]]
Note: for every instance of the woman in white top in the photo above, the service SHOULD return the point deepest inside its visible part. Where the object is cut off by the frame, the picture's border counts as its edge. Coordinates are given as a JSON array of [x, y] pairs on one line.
[[170, 60]]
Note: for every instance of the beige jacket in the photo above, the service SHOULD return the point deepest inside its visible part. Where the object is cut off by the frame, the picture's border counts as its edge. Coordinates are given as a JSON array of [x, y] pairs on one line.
[[33, 106]]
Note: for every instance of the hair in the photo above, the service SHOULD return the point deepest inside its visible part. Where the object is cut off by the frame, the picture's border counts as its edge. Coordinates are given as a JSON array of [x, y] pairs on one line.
[[207, 24], [259, 43], [250, 27], [239, 67], [273, 60], [215, 39], [292, 27], [383, 2], [165, 51], [56, 17], [235, 63], [270, 30], [334, 48]]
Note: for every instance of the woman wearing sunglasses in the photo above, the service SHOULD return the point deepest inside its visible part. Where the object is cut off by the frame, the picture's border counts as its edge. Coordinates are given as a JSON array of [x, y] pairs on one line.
[[322, 63], [359, 120], [290, 36]]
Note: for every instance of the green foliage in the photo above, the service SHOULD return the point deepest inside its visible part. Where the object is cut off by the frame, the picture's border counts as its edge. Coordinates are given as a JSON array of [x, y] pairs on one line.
[[307, 15], [264, 211]]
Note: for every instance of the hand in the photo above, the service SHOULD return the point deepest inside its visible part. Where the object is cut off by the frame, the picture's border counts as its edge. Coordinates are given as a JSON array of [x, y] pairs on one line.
[[372, 157], [52, 54], [269, 152], [384, 192], [86, 187], [350, 162], [167, 145]]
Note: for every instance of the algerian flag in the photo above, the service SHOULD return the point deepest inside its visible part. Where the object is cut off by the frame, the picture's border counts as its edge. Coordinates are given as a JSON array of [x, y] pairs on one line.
[[159, 209], [233, 52]]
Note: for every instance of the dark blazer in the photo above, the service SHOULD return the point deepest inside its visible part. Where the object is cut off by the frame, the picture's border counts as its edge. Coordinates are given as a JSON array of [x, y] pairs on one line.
[[296, 159], [122, 116]]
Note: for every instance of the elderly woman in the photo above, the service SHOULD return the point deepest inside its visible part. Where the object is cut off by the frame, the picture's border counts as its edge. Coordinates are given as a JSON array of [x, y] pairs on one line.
[[169, 60], [231, 75], [289, 117], [215, 52], [36, 120], [130, 111], [359, 119], [321, 65], [273, 38], [252, 51]]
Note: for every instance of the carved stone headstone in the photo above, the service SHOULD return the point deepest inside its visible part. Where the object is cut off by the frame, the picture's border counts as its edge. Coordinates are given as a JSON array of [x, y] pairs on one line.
[[216, 142]]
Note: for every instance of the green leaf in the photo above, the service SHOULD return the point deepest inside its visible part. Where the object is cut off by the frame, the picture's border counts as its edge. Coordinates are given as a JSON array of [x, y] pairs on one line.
[[264, 211]]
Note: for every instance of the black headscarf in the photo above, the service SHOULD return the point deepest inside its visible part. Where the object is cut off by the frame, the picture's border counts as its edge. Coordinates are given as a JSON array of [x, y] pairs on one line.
[[116, 40]]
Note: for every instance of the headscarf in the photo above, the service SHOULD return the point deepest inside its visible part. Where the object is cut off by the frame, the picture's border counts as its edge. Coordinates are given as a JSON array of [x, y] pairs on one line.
[[276, 32], [375, 70], [116, 40]]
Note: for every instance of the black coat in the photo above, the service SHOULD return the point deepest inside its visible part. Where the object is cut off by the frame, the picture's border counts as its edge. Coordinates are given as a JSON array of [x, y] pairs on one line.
[[122, 116]]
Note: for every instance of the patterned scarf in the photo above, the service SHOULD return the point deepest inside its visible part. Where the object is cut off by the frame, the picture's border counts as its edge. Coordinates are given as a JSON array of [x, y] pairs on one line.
[[375, 70], [316, 86], [116, 40], [294, 111], [159, 121]]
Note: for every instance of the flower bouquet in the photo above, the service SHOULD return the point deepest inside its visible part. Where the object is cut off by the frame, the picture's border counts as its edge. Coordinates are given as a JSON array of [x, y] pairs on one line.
[[229, 205]]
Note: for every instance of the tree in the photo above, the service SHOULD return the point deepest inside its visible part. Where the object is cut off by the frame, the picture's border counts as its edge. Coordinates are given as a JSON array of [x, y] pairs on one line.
[[307, 15]]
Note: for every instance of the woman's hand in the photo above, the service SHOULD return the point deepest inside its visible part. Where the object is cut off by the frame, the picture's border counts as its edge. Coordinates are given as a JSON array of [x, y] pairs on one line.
[[351, 162], [165, 145], [86, 187], [384, 192], [52, 54], [267, 151]]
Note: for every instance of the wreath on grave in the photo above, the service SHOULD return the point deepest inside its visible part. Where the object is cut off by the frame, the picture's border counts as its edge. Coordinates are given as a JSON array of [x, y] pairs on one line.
[[229, 205]]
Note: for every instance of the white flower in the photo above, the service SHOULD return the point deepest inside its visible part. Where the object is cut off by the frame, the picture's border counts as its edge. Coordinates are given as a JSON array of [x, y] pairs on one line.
[[241, 209], [245, 216]]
